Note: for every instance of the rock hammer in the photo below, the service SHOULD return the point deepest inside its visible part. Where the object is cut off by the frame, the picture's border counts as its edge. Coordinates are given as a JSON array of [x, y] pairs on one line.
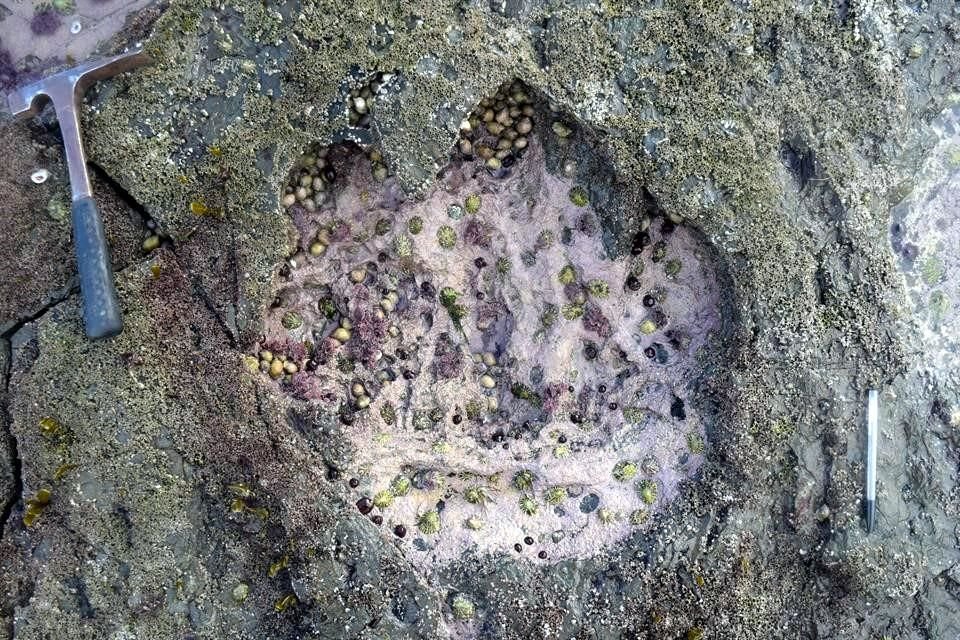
[[101, 310]]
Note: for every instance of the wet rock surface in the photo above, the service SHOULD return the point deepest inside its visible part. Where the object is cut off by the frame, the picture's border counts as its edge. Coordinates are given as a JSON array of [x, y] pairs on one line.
[[160, 489]]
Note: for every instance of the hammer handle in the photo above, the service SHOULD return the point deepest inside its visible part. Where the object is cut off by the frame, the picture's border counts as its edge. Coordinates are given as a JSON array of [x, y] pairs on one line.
[[101, 311]]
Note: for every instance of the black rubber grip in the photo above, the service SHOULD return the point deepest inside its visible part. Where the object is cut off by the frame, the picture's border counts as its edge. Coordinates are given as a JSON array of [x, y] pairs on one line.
[[101, 311]]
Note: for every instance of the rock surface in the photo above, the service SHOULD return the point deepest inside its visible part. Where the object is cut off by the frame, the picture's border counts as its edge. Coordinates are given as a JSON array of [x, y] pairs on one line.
[[786, 134]]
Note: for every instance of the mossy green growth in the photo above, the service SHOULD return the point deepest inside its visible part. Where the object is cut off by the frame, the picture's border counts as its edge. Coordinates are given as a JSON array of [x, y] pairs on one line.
[[292, 320], [446, 237], [429, 522], [578, 196], [383, 226], [625, 470], [524, 479], [345, 364], [672, 268], [567, 275], [634, 415], [472, 203], [327, 308], [639, 516], [456, 311], [647, 489], [415, 225], [504, 265], [277, 566], [647, 327], [523, 392], [65, 7]]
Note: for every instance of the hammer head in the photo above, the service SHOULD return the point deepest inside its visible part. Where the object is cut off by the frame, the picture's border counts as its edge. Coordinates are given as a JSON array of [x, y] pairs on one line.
[[67, 86]]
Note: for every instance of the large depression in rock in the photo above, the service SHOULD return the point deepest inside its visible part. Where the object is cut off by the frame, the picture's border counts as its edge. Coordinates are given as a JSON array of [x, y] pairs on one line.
[[506, 385]]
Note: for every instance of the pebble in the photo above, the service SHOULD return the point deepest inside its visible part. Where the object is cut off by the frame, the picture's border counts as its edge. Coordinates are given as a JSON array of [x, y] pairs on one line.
[[288, 200], [317, 249], [358, 390], [489, 359], [340, 334], [357, 275], [363, 402], [276, 368], [151, 243], [589, 503], [487, 382], [290, 367]]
